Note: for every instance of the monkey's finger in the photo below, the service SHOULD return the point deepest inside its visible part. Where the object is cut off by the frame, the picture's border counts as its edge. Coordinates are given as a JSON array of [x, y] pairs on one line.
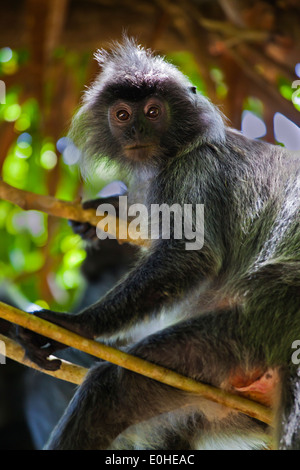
[[37, 348], [95, 203], [92, 203], [79, 227], [25, 337], [84, 230], [90, 234], [40, 358]]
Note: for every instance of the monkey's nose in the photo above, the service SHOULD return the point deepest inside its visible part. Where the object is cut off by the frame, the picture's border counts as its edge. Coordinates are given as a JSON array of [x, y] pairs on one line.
[[135, 130]]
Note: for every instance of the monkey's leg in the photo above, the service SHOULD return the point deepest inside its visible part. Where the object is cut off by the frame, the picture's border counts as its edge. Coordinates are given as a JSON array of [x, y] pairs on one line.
[[111, 398], [177, 430], [108, 402]]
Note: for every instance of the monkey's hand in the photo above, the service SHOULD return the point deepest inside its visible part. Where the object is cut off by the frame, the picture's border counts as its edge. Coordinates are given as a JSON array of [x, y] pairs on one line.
[[38, 348], [86, 230]]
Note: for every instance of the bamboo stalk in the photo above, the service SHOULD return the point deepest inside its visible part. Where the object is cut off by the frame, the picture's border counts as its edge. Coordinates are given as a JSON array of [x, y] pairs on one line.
[[135, 364]]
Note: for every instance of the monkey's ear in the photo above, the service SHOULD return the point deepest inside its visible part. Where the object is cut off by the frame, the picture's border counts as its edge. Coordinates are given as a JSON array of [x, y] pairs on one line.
[[193, 90]]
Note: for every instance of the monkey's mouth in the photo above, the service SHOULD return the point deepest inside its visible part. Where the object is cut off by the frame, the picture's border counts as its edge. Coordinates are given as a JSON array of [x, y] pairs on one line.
[[138, 152], [137, 146]]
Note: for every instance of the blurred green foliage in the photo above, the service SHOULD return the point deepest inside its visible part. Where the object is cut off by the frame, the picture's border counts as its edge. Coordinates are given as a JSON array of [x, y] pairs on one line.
[[25, 244], [287, 91]]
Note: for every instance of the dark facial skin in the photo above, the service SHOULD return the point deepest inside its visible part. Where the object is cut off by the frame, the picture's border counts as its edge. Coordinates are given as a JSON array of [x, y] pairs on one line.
[[138, 127]]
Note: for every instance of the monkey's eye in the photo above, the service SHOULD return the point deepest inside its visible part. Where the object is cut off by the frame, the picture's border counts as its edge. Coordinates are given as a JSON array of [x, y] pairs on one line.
[[123, 115], [153, 112]]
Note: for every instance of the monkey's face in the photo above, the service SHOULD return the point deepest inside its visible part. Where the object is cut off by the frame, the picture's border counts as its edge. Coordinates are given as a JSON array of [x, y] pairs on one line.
[[139, 127]]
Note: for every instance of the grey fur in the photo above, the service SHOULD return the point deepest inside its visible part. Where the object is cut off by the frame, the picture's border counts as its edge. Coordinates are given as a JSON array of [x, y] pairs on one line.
[[250, 263]]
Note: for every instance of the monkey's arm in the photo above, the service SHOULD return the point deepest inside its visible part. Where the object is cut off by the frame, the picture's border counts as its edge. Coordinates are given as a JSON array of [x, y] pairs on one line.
[[84, 229], [161, 277]]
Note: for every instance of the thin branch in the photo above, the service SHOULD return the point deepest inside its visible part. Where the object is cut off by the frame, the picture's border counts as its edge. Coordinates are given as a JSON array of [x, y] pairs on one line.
[[64, 209], [225, 28], [135, 364], [68, 371]]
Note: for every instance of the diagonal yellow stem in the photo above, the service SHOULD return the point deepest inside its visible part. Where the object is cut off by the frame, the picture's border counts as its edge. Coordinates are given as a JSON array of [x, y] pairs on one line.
[[135, 364]]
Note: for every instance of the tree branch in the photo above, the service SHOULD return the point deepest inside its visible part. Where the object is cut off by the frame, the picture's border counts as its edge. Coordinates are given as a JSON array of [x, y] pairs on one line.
[[68, 210], [135, 364]]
